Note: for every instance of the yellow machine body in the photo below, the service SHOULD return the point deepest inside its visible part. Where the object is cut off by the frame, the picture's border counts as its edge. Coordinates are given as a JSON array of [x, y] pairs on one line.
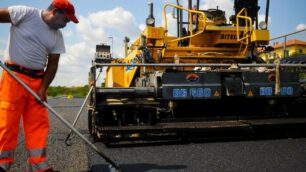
[[206, 78], [210, 43]]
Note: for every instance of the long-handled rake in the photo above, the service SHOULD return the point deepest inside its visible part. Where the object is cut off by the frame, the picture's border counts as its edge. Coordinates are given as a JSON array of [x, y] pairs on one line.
[[80, 111], [113, 165]]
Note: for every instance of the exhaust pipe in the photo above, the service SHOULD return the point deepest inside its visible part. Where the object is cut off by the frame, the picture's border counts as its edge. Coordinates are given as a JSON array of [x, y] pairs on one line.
[[150, 21]]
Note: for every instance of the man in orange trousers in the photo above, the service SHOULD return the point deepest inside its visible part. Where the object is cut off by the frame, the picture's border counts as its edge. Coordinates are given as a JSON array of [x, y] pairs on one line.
[[34, 47]]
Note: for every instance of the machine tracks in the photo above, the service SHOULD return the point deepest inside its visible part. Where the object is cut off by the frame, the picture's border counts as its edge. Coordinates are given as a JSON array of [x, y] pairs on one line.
[[205, 130]]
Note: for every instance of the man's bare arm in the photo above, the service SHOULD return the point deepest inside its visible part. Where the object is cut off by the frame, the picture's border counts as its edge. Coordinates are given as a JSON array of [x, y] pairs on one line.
[[5, 16], [49, 75]]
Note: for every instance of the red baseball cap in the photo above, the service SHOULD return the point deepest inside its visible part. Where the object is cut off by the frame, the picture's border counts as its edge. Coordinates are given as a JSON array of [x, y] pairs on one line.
[[66, 6]]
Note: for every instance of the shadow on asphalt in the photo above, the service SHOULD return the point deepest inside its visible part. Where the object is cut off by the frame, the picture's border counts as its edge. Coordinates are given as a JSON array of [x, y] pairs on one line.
[[143, 167]]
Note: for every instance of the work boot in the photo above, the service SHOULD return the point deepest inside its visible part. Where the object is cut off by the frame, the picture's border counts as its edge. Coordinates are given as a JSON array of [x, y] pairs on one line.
[[51, 170]]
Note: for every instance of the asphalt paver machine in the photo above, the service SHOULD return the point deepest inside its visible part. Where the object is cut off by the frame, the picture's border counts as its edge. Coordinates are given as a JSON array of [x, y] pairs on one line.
[[204, 76]]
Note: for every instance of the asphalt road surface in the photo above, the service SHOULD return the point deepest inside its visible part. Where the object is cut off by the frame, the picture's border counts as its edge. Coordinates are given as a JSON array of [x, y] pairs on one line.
[[256, 155]]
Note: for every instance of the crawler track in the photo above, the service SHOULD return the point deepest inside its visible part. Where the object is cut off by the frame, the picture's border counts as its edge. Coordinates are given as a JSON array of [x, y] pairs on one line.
[[206, 130]]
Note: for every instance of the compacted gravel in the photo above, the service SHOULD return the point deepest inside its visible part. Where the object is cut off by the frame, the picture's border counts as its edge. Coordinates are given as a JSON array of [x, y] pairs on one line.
[[255, 155]]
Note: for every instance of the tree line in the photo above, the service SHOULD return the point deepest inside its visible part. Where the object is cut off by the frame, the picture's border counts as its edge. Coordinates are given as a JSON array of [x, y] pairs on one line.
[[75, 91]]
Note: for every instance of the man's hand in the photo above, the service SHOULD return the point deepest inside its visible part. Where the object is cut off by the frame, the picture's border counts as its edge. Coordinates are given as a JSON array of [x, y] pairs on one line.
[[50, 72], [42, 93]]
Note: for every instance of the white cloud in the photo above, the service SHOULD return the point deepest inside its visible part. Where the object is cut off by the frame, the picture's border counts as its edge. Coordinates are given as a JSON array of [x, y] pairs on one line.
[[141, 27], [76, 54], [91, 30], [99, 26], [67, 33], [74, 65], [301, 26], [118, 19]]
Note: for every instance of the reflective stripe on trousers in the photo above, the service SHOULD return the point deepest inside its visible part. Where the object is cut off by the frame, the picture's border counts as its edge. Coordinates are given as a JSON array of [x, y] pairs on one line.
[[6, 154], [39, 167], [36, 152], [6, 166], [37, 159], [6, 157], [17, 103]]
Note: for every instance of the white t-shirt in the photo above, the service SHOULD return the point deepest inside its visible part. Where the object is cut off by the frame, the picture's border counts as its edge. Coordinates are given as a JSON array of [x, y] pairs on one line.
[[31, 39]]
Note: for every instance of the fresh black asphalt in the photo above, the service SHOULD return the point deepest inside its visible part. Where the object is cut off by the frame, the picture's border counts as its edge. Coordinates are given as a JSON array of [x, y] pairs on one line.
[[286, 155]]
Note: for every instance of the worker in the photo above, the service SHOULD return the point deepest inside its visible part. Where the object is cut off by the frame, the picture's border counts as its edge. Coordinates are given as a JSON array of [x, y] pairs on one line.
[[34, 47]]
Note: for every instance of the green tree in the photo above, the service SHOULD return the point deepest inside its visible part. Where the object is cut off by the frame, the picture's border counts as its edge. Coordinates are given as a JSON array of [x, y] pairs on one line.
[[79, 91]]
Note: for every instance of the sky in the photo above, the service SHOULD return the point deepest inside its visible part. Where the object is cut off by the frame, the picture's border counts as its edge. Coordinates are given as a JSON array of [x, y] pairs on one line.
[[108, 22]]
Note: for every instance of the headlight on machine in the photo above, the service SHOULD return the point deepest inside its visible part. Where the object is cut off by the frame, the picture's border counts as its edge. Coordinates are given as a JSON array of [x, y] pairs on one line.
[[263, 25], [150, 21]]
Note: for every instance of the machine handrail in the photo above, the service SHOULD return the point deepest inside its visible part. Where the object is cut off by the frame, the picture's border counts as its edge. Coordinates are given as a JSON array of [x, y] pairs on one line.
[[248, 26], [190, 12], [247, 29]]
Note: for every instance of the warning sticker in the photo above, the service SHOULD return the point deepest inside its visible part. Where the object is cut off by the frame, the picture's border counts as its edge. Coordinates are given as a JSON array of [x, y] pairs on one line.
[[216, 94], [250, 94]]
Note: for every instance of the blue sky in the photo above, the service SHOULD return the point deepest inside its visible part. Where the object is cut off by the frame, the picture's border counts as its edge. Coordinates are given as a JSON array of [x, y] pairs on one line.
[[100, 19]]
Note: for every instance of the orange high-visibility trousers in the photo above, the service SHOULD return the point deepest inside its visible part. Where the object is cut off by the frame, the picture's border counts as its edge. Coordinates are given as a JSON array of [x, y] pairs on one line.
[[15, 103]]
